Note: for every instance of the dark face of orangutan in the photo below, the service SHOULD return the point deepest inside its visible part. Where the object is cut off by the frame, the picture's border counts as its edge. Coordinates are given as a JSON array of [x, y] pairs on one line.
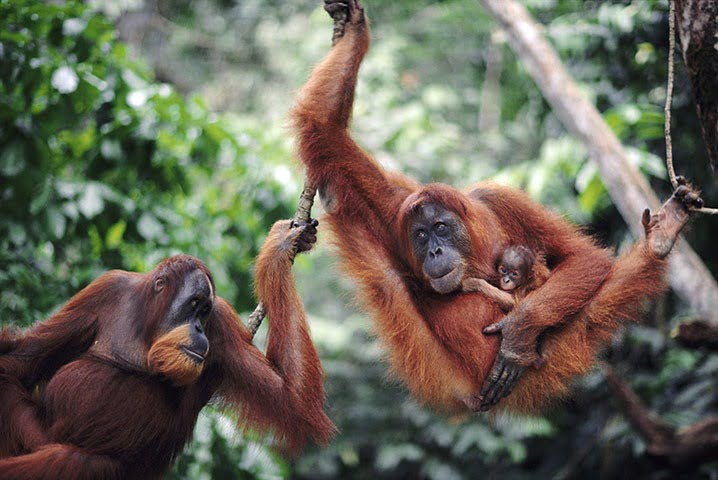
[[440, 245], [180, 349], [515, 268]]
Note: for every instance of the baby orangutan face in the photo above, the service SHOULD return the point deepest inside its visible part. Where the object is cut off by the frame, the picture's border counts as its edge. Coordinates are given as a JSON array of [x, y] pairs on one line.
[[515, 268]]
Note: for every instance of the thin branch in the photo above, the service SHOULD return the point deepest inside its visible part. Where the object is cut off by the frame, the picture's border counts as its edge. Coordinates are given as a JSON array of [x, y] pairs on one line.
[[304, 210], [306, 199], [706, 210], [669, 92]]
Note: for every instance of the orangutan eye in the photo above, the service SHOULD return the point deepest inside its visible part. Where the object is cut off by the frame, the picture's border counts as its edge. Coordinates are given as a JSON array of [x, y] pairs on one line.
[[194, 303], [421, 234], [441, 227]]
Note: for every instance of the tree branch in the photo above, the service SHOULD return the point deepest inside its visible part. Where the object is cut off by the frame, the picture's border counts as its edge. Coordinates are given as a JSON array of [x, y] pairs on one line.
[[630, 192], [660, 435], [692, 445], [697, 334], [669, 93], [304, 210]]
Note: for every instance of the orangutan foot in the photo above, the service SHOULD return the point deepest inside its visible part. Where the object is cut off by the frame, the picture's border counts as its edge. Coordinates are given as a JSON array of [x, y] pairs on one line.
[[662, 228]]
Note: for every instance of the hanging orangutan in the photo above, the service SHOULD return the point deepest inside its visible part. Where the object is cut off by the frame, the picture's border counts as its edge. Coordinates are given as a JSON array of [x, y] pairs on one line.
[[409, 247], [122, 370]]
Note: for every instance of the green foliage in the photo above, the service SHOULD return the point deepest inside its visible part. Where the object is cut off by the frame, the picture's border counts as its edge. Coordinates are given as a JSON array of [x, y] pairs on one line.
[[213, 453], [103, 168]]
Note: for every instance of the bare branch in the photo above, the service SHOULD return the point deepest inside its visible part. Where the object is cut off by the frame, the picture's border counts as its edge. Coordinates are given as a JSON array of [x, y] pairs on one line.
[[669, 93], [659, 434], [697, 334], [304, 210]]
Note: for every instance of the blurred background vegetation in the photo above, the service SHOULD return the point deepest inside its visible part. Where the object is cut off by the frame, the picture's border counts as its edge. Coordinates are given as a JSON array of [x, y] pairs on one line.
[[134, 129]]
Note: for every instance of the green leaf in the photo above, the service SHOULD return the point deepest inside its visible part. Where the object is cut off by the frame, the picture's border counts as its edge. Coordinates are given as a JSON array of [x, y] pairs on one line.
[[517, 451], [12, 159], [113, 237], [17, 234], [439, 470], [40, 200], [95, 240], [149, 227], [111, 149], [56, 222], [391, 455], [91, 202], [593, 195]]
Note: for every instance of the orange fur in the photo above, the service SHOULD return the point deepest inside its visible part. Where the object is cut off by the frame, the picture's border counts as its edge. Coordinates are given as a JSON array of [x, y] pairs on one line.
[[167, 358], [434, 342], [539, 275]]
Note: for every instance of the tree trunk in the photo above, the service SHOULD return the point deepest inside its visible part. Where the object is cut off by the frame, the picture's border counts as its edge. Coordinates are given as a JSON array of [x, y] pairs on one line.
[[688, 276], [697, 25]]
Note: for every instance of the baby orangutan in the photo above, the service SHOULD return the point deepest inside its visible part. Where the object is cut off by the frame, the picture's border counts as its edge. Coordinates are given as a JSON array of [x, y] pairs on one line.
[[519, 271]]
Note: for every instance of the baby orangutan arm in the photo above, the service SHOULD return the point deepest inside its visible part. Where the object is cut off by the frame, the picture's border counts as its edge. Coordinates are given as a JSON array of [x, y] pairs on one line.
[[503, 299]]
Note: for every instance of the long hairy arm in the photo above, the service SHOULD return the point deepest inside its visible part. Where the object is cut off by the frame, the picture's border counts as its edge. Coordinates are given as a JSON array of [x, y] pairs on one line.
[[281, 392], [354, 187]]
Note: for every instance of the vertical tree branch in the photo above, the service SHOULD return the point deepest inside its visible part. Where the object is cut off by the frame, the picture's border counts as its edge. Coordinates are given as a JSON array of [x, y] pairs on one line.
[[304, 210], [669, 100], [669, 93], [490, 108]]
